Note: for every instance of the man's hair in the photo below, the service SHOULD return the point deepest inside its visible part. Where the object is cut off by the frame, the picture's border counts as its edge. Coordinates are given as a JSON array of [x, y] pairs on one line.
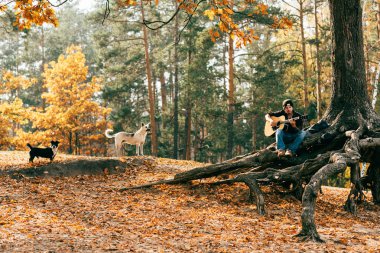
[[287, 102]]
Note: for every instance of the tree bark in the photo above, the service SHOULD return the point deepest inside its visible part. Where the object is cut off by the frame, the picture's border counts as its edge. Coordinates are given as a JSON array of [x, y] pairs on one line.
[[340, 161], [163, 92], [231, 99], [350, 101], [188, 133], [318, 84], [304, 59], [375, 86], [187, 141], [150, 88], [378, 21], [176, 89], [374, 174]]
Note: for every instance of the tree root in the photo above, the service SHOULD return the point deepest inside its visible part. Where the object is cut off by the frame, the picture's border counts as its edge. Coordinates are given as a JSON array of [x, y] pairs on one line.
[[340, 161], [310, 168], [303, 237]]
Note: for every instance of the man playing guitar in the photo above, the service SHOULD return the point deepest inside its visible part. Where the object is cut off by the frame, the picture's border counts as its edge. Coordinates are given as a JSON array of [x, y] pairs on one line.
[[290, 135]]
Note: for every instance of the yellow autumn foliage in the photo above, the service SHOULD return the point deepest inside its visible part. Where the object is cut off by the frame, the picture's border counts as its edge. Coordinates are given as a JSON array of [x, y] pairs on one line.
[[72, 114], [12, 112], [29, 12]]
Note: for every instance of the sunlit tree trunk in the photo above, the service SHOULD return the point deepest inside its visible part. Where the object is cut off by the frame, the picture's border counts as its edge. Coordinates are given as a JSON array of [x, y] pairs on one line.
[[196, 138], [225, 50], [318, 84], [231, 99], [375, 86], [150, 88], [304, 59], [42, 89], [171, 77], [163, 91], [163, 98], [254, 132], [176, 89], [187, 142], [188, 133], [377, 74], [366, 44], [378, 21]]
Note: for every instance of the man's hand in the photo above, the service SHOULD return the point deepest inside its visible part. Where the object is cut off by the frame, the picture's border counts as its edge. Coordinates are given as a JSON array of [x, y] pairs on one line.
[[292, 123], [270, 120]]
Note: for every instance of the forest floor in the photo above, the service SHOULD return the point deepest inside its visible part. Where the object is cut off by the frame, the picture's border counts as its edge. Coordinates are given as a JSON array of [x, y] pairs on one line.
[[87, 213]]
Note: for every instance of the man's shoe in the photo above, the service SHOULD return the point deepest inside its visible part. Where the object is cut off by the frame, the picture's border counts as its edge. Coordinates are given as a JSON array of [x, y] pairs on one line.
[[280, 153], [289, 153]]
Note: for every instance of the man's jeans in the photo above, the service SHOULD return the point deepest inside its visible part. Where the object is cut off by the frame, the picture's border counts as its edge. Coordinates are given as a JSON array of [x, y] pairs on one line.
[[289, 140]]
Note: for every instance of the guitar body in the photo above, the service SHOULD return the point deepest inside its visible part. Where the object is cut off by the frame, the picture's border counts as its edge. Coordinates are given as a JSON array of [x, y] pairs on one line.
[[280, 123]]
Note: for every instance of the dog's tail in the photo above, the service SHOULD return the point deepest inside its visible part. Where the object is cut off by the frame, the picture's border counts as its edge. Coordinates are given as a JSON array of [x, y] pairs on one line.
[[30, 146], [108, 133]]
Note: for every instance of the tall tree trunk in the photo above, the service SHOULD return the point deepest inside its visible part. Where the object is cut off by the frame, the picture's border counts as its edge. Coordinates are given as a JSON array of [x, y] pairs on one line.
[[378, 21], [375, 85], [254, 132], [150, 88], [350, 98], [196, 138], [231, 99], [366, 44], [225, 50], [187, 142], [105, 142], [176, 89], [163, 91], [187, 149], [171, 77], [318, 86], [350, 106], [42, 88], [70, 151], [163, 98], [304, 59], [77, 144]]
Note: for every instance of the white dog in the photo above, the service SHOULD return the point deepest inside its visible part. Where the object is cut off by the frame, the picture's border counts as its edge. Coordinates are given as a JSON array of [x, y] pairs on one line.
[[137, 138]]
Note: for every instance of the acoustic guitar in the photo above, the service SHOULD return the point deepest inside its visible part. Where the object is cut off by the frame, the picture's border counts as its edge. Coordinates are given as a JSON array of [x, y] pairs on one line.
[[280, 123]]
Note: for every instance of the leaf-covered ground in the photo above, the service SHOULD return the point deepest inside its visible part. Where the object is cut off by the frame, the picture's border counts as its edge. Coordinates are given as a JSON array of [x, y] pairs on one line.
[[88, 214]]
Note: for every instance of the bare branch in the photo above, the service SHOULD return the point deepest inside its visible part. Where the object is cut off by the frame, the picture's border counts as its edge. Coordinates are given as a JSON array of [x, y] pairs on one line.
[[107, 11], [59, 3], [163, 23], [290, 5]]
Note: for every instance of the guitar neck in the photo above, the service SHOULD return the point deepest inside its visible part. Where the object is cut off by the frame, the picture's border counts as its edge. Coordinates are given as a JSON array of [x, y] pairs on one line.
[[288, 120]]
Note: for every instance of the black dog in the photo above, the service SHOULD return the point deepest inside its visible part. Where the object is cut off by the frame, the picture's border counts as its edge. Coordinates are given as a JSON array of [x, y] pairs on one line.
[[43, 152]]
